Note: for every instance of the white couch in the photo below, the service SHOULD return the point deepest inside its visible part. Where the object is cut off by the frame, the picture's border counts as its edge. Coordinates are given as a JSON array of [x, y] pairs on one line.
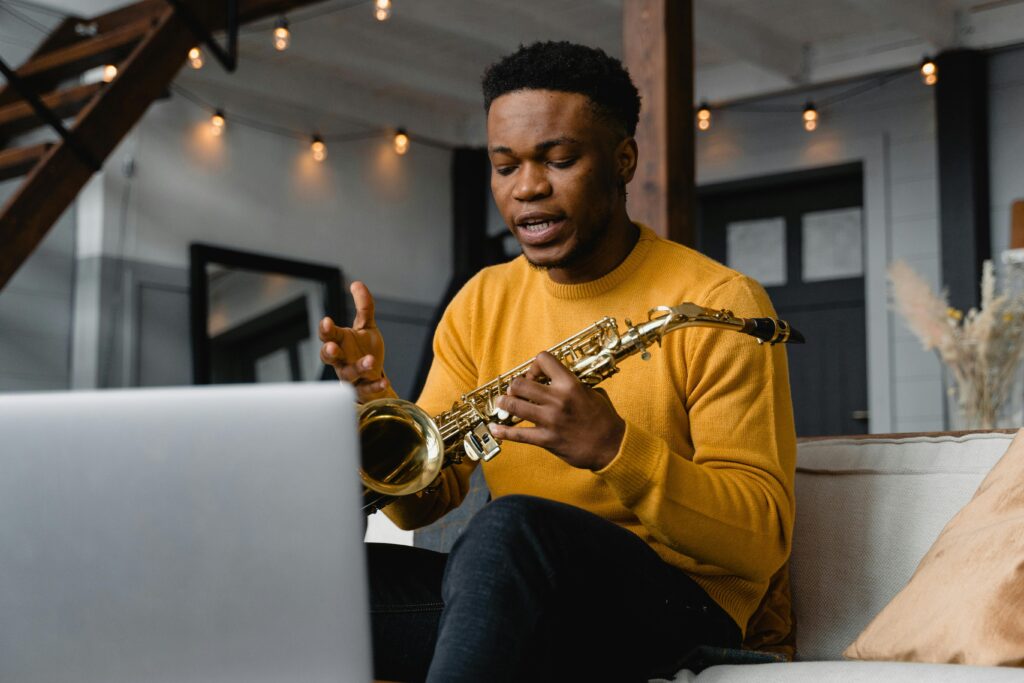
[[867, 511]]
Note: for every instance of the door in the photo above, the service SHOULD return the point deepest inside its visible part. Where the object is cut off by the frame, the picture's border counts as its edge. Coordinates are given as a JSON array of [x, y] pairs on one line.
[[801, 235]]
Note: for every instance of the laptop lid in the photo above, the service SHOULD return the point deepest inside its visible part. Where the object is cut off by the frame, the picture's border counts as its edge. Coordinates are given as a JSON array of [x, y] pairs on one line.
[[188, 534]]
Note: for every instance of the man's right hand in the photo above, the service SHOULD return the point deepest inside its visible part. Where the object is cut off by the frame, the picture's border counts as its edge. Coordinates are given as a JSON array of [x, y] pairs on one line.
[[357, 353]]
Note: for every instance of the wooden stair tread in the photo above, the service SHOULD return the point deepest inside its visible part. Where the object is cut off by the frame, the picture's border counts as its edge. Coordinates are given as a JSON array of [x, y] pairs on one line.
[[77, 57], [20, 160], [20, 117]]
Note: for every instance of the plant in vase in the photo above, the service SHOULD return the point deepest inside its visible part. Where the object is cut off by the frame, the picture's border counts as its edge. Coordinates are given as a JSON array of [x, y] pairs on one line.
[[982, 349]]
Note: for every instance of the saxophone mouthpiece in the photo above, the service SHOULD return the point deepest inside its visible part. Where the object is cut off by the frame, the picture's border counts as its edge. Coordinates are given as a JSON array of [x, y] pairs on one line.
[[772, 331]]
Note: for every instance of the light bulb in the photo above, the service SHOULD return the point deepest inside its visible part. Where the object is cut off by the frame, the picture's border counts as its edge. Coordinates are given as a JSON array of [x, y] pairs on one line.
[[195, 58], [109, 73], [318, 148], [401, 141], [282, 36], [810, 117], [382, 9], [929, 71], [704, 116], [217, 122]]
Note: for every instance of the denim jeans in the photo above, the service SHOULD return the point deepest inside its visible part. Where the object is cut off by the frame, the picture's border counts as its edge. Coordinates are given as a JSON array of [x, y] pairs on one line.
[[535, 590]]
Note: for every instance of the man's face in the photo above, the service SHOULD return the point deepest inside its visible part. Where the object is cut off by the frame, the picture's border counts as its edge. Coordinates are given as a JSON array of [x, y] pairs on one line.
[[554, 174]]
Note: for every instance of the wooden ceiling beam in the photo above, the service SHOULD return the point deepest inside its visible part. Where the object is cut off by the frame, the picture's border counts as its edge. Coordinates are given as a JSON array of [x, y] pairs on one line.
[[749, 41], [934, 21]]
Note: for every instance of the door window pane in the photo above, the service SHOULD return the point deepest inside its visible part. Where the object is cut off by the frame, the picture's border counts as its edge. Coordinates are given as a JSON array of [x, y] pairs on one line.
[[833, 245], [758, 249]]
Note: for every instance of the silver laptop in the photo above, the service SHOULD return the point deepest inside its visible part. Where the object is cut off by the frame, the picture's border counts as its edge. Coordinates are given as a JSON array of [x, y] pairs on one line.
[[193, 534]]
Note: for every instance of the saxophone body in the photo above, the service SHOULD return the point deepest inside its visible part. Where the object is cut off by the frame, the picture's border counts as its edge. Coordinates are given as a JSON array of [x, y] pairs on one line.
[[404, 449]]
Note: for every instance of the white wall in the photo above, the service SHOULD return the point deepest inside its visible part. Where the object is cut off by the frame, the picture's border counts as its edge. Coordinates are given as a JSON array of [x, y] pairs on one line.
[[380, 217]]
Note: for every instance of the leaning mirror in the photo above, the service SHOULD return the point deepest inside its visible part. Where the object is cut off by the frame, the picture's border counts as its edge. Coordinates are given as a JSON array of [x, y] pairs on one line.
[[254, 317]]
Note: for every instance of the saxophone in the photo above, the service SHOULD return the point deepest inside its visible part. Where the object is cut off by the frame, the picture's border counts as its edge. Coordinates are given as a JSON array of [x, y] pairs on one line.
[[404, 449]]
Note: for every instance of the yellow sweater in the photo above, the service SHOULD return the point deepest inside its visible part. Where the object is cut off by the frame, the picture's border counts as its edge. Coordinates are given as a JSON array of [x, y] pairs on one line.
[[705, 471]]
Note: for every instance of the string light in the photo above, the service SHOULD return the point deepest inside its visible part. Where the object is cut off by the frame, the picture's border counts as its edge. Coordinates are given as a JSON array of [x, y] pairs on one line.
[[195, 58], [382, 10], [217, 122], [282, 36], [929, 71], [704, 116], [401, 141], [810, 117], [109, 73], [318, 148]]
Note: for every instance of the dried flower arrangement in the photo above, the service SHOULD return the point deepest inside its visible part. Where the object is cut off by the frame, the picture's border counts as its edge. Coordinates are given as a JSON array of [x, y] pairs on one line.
[[982, 349]]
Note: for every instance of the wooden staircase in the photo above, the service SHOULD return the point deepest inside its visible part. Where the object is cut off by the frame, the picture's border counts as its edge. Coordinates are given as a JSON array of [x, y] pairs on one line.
[[148, 42]]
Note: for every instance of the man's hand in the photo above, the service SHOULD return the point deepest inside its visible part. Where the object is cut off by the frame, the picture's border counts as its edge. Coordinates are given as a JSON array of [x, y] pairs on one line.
[[573, 421], [357, 353]]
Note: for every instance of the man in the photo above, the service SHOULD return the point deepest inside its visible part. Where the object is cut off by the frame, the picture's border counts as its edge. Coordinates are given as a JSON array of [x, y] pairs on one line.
[[628, 523]]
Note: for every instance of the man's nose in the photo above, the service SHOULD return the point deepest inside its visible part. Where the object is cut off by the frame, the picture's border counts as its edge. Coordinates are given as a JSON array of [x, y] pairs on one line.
[[532, 183]]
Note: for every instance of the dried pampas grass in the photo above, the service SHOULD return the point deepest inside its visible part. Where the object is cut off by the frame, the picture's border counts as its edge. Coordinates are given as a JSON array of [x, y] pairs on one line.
[[982, 349]]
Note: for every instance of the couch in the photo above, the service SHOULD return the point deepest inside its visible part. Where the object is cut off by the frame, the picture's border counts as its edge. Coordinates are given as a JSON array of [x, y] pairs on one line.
[[868, 508]]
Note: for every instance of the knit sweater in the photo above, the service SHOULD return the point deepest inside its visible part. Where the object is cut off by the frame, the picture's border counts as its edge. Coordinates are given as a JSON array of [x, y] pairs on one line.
[[705, 470]]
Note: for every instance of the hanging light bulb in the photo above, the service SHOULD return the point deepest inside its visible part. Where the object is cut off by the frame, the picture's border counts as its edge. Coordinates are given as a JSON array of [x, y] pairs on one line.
[[282, 36], [929, 71], [195, 57], [217, 122], [109, 73], [810, 117], [382, 9], [704, 116], [401, 141], [318, 148]]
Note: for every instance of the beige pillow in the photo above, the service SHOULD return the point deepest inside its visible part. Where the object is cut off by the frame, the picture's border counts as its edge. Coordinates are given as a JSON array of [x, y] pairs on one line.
[[965, 602]]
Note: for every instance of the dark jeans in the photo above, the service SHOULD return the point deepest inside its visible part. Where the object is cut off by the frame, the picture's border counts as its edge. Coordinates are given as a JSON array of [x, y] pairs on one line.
[[536, 590]]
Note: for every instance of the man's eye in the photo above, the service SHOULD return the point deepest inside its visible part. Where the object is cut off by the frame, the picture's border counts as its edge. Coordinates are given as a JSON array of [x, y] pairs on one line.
[[504, 170], [563, 163]]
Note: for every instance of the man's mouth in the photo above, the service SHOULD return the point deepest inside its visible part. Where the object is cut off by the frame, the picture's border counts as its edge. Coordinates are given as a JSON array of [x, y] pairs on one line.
[[535, 230]]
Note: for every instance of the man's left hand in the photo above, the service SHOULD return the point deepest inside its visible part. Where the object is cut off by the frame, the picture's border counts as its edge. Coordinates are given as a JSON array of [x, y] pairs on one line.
[[575, 422]]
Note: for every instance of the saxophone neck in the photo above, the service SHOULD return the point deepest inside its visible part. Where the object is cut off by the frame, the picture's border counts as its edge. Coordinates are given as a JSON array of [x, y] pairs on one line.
[[665, 319]]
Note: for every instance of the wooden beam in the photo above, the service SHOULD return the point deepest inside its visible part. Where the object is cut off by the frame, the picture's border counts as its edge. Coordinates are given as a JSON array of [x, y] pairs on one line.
[[658, 51], [20, 160], [934, 21], [1017, 225], [749, 41], [20, 117]]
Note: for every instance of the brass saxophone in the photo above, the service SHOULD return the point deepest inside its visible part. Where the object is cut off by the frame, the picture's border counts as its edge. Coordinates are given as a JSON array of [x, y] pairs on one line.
[[404, 449]]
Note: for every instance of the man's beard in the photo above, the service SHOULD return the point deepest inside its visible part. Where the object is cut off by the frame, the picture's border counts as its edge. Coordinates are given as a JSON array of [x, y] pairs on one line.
[[584, 249]]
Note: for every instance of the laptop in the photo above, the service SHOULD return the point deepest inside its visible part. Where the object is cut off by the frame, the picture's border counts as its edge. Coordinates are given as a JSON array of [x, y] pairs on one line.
[[188, 534]]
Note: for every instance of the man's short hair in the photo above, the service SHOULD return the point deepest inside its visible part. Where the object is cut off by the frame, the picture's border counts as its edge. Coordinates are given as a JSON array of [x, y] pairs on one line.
[[568, 67]]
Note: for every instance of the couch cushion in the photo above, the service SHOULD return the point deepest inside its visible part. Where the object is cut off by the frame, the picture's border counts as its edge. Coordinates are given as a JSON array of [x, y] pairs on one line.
[[867, 512], [965, 603], [852, 672]]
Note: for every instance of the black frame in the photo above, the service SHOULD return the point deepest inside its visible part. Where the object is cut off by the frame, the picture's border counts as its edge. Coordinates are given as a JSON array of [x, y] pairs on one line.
[[202, 255]]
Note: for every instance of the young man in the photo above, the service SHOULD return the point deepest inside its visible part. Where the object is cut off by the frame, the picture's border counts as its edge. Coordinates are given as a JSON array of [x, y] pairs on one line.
[[628, 524]]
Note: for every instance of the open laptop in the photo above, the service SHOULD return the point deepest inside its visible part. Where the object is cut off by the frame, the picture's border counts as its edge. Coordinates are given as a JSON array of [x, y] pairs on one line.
[[192, 534]]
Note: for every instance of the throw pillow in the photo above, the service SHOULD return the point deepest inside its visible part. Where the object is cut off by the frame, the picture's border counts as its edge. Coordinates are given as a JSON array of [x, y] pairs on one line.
[[965, 600]]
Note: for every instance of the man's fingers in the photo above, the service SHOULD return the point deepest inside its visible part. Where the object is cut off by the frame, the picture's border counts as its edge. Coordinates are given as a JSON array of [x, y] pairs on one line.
[[551, 368], [522, 409], [530, 390], [536, 436], [364, 307], [326, 329]]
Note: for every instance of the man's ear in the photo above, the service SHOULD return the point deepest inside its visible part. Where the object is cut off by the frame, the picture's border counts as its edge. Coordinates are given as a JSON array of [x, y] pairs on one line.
[[626, 159]]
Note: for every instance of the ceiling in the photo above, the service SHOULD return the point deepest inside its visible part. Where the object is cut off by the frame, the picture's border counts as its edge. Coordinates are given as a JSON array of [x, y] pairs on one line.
[[421, 68]]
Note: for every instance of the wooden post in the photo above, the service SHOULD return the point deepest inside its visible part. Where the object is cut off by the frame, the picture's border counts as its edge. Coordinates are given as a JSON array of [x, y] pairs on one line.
[[1017, 224], [658, 51]]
